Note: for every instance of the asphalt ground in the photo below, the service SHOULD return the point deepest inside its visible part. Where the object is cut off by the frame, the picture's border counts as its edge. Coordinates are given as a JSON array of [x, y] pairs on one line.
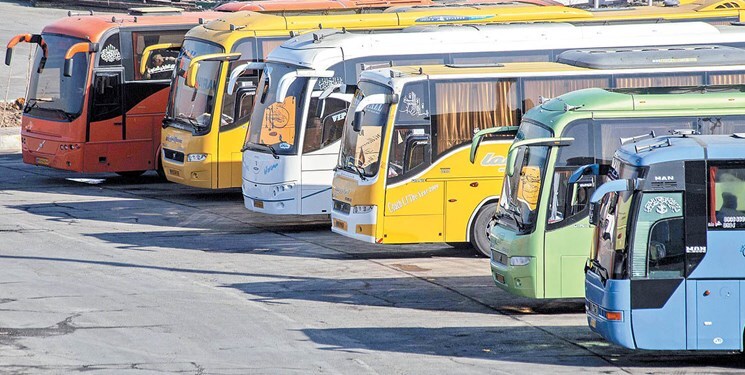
[[102, 274]]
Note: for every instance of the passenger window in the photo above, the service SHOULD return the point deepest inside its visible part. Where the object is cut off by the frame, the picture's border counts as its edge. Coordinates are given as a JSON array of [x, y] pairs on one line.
[[462, 108], [162, 61], [325, 122], [534, 88], [666, 250], [722, 125], [727, 197]]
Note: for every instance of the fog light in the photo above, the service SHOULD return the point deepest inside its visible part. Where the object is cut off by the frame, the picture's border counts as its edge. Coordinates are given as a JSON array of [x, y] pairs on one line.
[[519, 261], [196, 157], [361, 209]]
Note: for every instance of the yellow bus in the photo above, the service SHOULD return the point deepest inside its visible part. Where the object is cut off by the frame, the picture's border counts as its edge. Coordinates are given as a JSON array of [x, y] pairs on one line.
[[404, 174], [205, 126]]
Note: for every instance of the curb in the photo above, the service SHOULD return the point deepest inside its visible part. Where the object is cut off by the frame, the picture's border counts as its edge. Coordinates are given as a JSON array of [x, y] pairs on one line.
[[10, 139]]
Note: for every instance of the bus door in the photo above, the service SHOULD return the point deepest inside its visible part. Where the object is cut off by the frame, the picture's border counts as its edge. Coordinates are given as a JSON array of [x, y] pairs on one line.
[[714, 305], [657, 269], [106, 125], [326, 115], [413, 199]]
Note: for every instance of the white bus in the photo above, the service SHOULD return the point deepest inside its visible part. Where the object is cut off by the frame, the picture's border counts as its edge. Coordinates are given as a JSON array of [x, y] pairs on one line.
[[308, 82]]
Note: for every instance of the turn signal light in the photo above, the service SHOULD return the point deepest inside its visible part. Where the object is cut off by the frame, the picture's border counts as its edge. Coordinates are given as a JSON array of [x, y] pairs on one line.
[[614, 315]]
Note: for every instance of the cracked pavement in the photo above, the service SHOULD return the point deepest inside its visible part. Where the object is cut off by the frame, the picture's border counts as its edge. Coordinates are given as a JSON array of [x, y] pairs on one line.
[[107, 275]]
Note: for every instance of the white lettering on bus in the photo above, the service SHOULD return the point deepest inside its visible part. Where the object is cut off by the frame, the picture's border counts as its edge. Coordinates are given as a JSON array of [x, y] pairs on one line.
[[493, 160], [410, 198]]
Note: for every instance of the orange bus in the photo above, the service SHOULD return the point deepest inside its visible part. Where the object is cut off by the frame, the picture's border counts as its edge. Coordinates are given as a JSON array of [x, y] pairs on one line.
[[90, 107], [99, 86]]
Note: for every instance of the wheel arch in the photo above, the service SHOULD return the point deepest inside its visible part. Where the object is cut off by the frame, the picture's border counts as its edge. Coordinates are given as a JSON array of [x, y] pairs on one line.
[[485, 201]]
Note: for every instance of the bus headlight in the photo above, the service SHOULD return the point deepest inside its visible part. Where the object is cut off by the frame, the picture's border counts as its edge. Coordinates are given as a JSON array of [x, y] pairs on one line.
[[196, 157], [362, 209], [519, 261]]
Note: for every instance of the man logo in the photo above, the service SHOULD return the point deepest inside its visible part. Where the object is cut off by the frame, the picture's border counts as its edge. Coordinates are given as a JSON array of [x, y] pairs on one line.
[[492, 160], [41, 145]]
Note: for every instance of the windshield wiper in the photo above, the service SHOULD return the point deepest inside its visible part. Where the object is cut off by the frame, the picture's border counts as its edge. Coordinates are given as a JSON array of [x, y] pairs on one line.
[[36, 102], [191, 121], [359, 171], [274, 152], [596, 265]]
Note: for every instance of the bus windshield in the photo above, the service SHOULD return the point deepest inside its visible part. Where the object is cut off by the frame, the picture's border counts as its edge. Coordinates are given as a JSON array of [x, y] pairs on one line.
[[360, 151], [612, 230], [51, 95], [192, 108], [518, 204], [274, 125]]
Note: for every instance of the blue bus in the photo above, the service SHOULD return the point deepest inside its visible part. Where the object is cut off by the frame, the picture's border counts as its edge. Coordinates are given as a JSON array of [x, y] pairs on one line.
[[667, 262]]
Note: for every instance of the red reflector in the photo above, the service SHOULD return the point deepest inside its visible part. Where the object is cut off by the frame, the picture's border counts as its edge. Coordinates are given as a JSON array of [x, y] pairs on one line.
[[380, 240], [613, 315]]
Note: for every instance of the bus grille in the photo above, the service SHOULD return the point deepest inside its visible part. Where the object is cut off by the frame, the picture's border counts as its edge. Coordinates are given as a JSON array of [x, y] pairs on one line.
[[342, 207], [173, 155]]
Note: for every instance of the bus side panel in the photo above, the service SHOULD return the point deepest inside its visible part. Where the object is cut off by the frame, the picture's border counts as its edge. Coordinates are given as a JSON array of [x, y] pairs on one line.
[[658, 314], [718, 314], [462, 199], [315, 192], [414, 205], [565, 255]]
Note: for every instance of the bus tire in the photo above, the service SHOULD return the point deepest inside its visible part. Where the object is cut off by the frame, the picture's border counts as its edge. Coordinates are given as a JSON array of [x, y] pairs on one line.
[[479, 240], [161, 171], [131, 174]]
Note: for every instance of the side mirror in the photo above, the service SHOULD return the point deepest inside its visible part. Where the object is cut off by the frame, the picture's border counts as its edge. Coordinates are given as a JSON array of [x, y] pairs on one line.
[[236, 73], [550, 142], [366, 102], [594, 213], [82, 47], [357, 122], [591, 169], [284, 83], [148, 51], [193, 70], [479, 136]]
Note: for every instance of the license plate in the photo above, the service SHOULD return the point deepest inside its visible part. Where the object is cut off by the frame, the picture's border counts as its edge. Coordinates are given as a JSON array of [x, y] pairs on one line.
[[174, 172], [593, 323], [340, 224], [42, 161], [258, 204]]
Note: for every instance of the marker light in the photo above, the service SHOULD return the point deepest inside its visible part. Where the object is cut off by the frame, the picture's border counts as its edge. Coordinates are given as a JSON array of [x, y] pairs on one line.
[[196, 157], [362, 209], [519, 261], [614, 315]]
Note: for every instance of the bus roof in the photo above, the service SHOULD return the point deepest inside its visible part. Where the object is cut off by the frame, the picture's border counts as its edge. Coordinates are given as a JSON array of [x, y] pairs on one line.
[[92, 28], [682, 147], [230, 27], [576, 60], [293, 5], [618, 103], [326, 46]]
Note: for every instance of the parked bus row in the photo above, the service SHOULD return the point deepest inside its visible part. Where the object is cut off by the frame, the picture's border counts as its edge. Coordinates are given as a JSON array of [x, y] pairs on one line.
[[435, 123]]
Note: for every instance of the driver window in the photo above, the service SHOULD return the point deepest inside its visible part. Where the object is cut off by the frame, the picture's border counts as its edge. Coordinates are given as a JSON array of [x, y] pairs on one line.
[[666, 249], [727, 197], [325, 123], [410, 150]]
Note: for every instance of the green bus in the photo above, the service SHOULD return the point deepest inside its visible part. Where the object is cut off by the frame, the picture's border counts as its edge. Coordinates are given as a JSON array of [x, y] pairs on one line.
[[540, 236]]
